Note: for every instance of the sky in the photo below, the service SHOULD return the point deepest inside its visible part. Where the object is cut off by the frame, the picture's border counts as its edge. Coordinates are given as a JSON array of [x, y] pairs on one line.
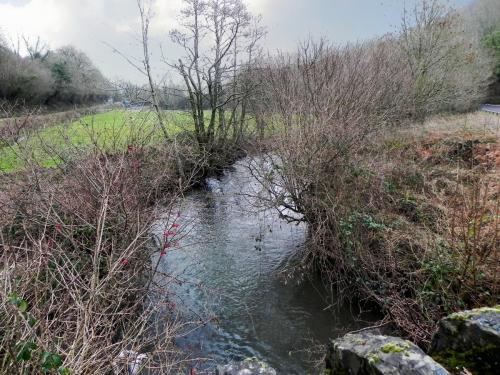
[[93, 25]]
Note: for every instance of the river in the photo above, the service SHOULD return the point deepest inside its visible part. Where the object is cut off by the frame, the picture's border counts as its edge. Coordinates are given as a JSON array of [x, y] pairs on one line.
[[229, 263]]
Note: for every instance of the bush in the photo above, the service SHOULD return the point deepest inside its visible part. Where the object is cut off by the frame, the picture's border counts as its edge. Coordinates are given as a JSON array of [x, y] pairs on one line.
[[377, 208], [413, 228], [65, 76], [78, 290]]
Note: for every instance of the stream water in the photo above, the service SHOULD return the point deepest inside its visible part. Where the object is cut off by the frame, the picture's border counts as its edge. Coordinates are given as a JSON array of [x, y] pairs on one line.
[[229, 264]]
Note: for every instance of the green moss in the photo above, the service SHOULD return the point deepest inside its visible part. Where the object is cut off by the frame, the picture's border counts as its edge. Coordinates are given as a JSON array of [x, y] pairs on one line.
[[395, 348], [465, 315], [373, 358], [454, 360]]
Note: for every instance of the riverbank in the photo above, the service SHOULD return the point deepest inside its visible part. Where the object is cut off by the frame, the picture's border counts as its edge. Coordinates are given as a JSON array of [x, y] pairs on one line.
[[418, 239], [78, 287], [409, 221]]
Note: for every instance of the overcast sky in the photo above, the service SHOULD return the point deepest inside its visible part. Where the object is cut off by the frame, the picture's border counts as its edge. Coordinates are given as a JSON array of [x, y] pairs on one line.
[[87, 24]]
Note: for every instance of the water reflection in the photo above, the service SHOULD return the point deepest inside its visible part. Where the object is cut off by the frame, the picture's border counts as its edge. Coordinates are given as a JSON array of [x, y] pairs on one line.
[[230, 262]]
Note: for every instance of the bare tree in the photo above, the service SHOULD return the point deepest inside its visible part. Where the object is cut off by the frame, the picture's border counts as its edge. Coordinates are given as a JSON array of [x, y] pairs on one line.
[[445, 66], [132, 92], [219, 38], [37, 50], [144, 65], [326, 101], [146, 13]]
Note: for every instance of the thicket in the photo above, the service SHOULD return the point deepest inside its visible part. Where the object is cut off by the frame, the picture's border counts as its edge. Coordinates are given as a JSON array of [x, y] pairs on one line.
[[416, 235], [79, 287], [79, 267], [63, 77]]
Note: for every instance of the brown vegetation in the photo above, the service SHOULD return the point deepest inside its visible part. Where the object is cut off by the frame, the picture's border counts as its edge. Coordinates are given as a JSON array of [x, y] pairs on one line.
[[401, 214], [407, 222], [78, 291]]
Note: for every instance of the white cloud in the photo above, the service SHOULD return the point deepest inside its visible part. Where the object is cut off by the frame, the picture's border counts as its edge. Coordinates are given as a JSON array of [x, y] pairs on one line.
[[262, 6], [88, 23], [166, 13], [44, 18]]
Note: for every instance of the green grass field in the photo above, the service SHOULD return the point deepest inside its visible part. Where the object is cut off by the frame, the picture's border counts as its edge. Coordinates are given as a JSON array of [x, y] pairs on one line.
[[110, 131]]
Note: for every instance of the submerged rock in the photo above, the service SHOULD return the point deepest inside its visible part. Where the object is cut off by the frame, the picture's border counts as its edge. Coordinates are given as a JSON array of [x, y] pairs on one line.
[[470, 340], [214, 185], [251, 366], [369, 353]]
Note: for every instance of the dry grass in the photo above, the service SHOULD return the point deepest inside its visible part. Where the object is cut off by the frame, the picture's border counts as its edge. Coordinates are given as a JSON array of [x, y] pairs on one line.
[[406, 218], [420, 236]]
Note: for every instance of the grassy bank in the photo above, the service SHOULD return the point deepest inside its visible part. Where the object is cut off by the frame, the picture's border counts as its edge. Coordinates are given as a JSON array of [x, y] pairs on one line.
[[51, 145], [77, 203], [410, 221]]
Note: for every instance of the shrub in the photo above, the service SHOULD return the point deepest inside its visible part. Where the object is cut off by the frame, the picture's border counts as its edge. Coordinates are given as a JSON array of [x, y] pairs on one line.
[[78, 290], [414, 229]]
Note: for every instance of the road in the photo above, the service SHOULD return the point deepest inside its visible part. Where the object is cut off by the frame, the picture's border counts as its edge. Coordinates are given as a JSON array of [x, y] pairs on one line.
[[491, 108]]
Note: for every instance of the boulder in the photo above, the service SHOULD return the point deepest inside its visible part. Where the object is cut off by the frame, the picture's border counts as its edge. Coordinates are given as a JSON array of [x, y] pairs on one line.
[[250, 366], [370, 353], [470, 340]]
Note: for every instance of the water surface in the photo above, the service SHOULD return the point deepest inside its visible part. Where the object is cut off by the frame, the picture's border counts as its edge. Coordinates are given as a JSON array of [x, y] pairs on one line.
[[230, 264]]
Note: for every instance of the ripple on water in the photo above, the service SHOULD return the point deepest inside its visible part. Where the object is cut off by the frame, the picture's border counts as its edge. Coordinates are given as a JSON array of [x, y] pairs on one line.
[[234, 253]]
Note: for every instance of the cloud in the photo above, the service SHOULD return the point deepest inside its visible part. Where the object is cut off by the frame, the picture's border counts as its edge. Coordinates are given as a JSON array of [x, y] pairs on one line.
[[83, 23], [38, 17], [88, 23]]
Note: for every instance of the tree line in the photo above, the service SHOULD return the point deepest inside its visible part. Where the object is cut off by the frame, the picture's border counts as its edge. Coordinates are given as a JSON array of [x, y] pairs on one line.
[[440, 59], [484, 21], [45, 77]]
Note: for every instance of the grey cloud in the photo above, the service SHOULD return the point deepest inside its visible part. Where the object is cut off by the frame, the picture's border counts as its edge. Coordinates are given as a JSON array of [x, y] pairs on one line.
[[87, 24]]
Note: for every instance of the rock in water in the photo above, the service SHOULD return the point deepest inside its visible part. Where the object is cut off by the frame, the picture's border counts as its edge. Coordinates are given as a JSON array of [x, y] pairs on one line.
[[214, 185], [369, 353], [251, 366], [469, 340]]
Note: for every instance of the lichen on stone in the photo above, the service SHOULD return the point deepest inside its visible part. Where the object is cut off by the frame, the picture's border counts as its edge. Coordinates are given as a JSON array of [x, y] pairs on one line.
[[395, 348], [373, 358], [465, 315], [379, 354]]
